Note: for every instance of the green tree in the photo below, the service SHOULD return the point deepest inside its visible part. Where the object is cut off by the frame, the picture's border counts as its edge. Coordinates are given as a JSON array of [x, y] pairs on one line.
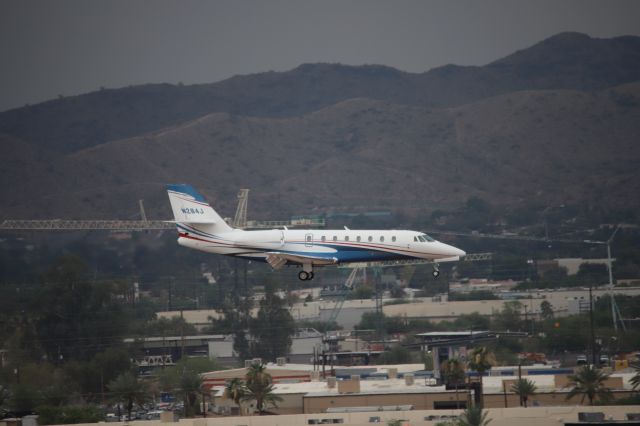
[[4, 395], [592, 274], [128, 389], [272, 328], [635, 380], [235, 320], [235, 390], [396, 355], [453, 374], [473, 320], [590, 383], [190, 386], [58, 390], [474, 416], [174, 326], [24, 398], [481, 360], [509, 318], [259, 387], [524, 388], [362, 292], [569, 333], [546, 310], [69, 414], [186, 379], [80, 317]]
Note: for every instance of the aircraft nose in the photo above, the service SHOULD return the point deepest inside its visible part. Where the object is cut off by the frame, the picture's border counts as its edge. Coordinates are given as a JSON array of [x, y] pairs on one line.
[[455, 251], [459, 252]]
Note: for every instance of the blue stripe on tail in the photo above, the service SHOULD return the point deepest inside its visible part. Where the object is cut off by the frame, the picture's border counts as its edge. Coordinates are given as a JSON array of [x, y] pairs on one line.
[[186, 189]]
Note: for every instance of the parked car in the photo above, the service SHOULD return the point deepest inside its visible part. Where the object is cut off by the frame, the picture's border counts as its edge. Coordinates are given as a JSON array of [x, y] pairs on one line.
[[604, 360], [154, 415]]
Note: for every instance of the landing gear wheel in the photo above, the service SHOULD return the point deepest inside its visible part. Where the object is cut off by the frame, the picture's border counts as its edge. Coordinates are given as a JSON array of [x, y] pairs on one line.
[[435, 273], [304, 276]]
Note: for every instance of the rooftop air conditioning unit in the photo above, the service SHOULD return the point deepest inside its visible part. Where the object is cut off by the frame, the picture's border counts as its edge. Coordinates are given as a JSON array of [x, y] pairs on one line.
[[408, 379], [281, 361]]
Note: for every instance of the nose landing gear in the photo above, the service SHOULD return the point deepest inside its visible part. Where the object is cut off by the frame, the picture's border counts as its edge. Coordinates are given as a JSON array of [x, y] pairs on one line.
[[436, 271]]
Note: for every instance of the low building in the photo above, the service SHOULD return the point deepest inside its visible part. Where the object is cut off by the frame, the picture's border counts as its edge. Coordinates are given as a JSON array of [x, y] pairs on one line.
[[420, 393]]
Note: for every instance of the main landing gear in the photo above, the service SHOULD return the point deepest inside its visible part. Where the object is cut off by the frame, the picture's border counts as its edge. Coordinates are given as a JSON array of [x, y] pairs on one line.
[[307, 272], [305, 276]]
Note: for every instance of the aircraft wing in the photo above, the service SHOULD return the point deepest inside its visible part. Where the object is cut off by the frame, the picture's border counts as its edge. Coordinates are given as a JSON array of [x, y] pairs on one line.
[[277, 259]]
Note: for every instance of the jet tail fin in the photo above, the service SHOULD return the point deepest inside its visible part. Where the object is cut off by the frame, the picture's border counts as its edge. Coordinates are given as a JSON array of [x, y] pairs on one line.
[[190, 207]]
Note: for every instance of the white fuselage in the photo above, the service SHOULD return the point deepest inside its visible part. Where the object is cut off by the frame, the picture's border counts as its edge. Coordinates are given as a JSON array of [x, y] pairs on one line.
[[336, 246]]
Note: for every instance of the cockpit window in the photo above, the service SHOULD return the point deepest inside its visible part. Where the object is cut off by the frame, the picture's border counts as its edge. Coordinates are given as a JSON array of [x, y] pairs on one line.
[[427, 238], [423, 238]]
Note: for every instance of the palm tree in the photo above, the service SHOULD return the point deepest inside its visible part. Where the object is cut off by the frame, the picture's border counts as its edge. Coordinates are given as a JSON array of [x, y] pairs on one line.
[[481, 360], [259, 388], [453, 373], [235, 390], [474, 416], [589, 381], [128, 388], [263, 395], [524, 388], [257, 373], [635, 380], [190, 385]]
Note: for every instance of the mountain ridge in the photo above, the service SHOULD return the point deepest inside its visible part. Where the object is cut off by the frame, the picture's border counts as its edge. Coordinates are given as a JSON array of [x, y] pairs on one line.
[[70, 124]]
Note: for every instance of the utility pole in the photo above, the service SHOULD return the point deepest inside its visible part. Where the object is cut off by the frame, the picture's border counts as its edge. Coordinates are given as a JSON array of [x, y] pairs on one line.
[[593, 335], [609, 266], [181, 335]]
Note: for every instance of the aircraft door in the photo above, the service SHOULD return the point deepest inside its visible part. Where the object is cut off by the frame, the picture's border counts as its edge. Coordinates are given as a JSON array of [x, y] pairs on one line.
[[308, 240]]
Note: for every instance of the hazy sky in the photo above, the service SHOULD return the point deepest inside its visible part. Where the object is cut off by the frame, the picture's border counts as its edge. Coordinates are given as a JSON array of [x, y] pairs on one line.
[[69, 47]]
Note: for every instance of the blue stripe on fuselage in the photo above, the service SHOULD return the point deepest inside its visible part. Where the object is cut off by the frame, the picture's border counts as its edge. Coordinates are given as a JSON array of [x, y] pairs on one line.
[[348, 254]]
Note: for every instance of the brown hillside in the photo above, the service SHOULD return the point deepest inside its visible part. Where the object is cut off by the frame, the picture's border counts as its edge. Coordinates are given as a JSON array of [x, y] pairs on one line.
[[545, 147]]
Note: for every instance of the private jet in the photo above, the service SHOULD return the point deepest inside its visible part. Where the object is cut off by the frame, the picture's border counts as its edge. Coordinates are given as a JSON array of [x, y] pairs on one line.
[[201, 228]]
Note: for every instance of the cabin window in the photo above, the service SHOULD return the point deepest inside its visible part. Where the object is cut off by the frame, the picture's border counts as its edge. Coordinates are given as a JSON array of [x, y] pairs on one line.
[[381, 239], [358, 238], [393, 238], [370, 238], [323, 238], [346, 238], [335, 238]]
